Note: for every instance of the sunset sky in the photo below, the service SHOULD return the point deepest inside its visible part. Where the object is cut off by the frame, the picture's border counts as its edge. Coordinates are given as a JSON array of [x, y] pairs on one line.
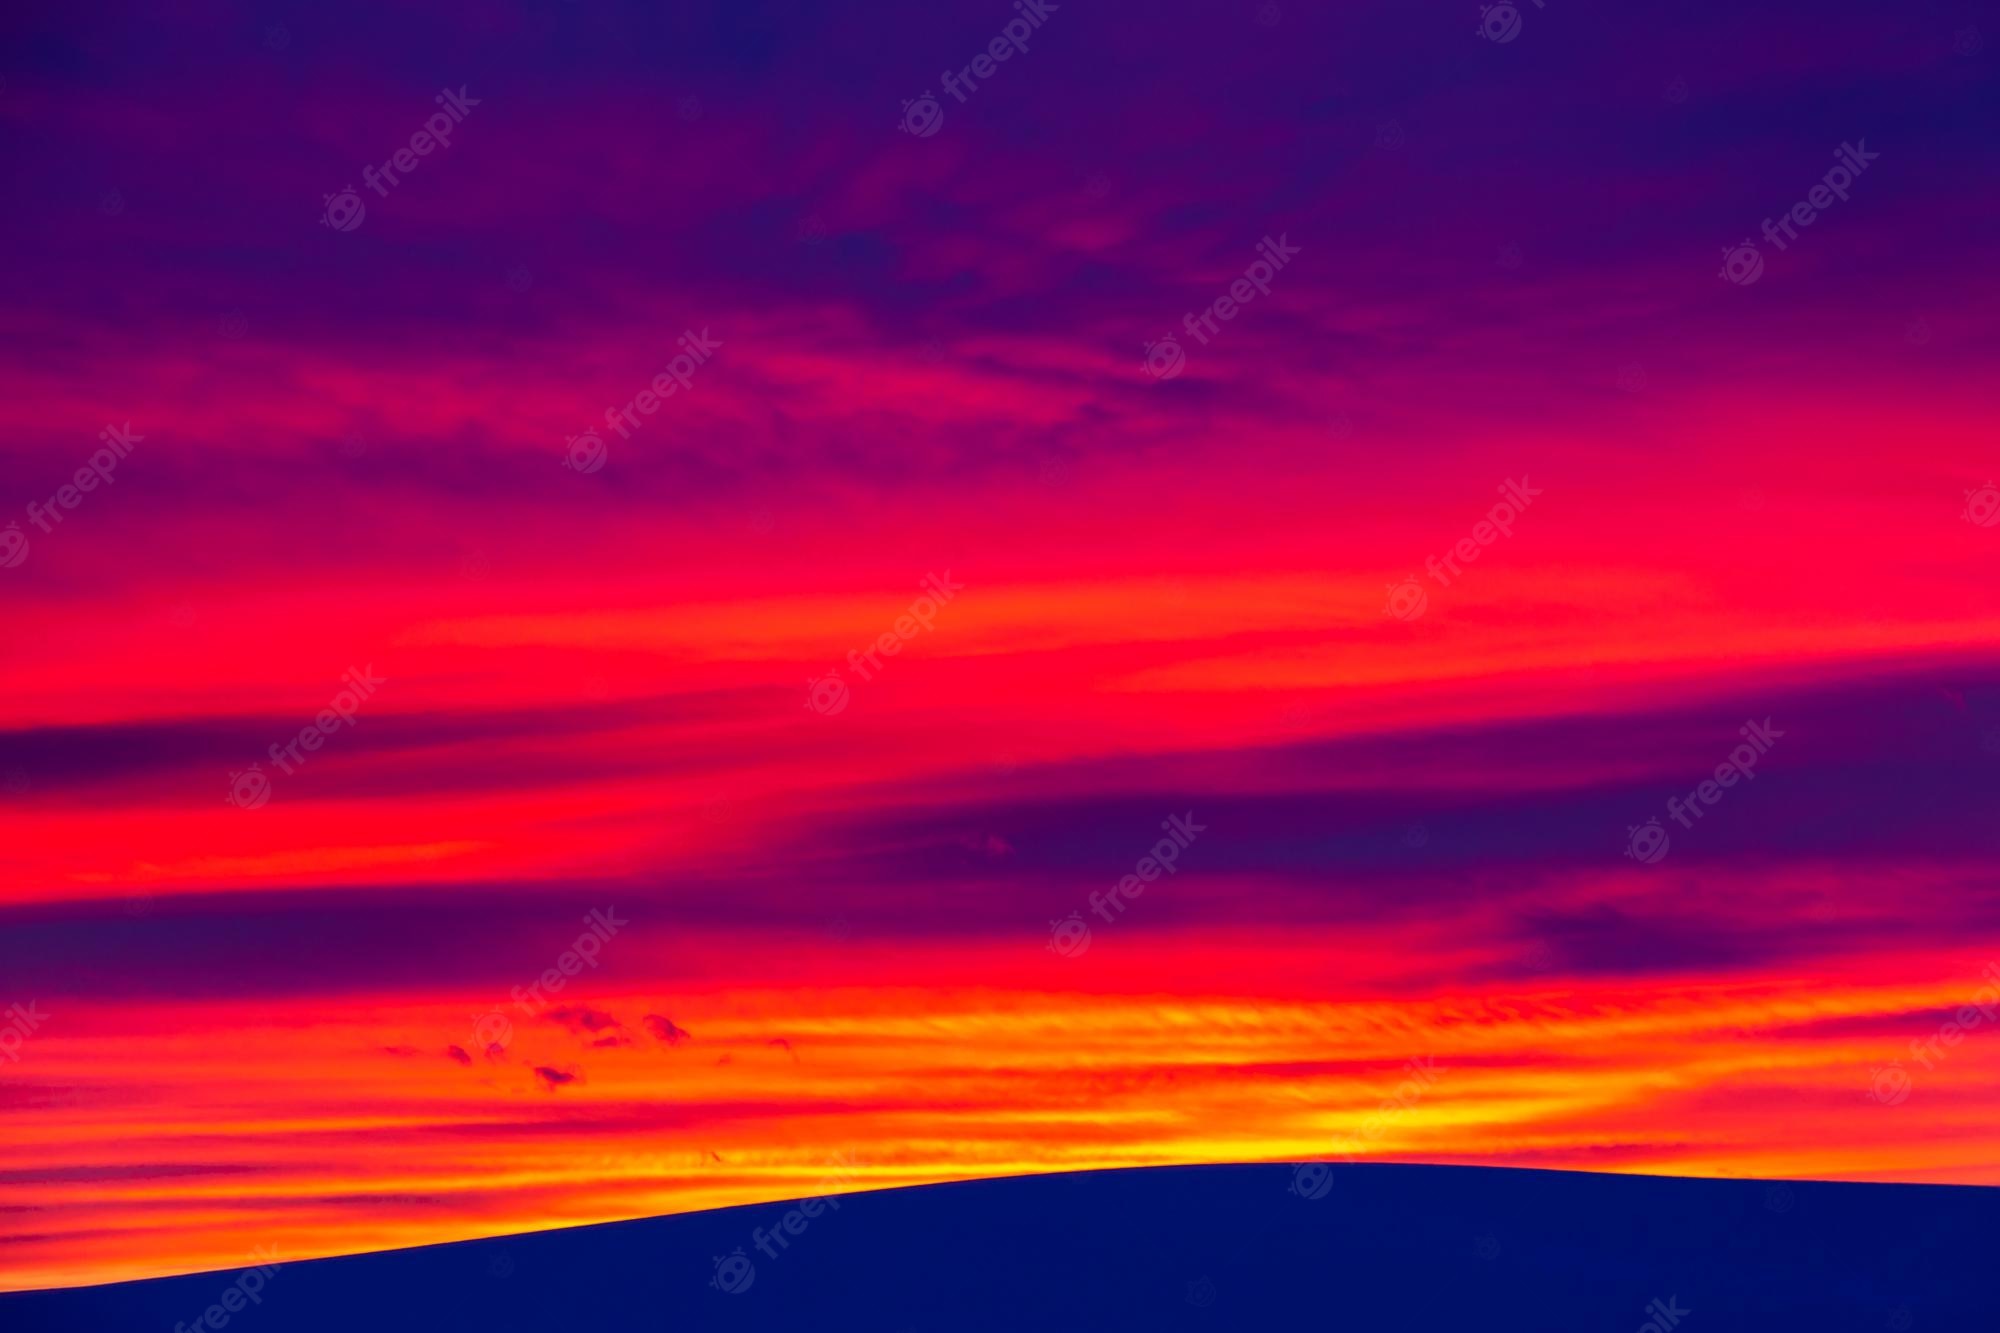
[[865, 928]]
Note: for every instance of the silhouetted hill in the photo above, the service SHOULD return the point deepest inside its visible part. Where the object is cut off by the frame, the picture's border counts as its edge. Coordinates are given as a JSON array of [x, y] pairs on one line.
[[1405, 1248]]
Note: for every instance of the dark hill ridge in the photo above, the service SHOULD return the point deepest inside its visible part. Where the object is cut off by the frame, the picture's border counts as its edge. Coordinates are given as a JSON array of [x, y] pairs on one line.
[[1365, 1247]]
